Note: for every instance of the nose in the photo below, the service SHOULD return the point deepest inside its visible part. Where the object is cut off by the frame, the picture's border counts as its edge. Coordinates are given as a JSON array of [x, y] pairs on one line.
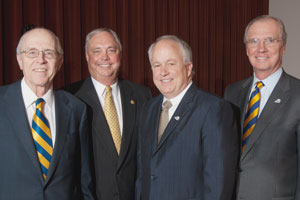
[[261, 46], [163, 70], [104, 56], [41, 58]]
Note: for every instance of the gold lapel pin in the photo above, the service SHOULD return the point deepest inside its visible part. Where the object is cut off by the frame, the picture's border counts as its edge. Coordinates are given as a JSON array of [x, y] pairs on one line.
[[132, 101]]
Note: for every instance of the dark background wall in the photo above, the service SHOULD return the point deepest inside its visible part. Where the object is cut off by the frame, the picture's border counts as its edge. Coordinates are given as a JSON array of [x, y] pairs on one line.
[[213, 28]]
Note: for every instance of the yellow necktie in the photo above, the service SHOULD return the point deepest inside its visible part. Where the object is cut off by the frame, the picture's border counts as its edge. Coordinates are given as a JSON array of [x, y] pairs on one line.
[[112, 118], [164, 119], [42, 137], [252, 114]]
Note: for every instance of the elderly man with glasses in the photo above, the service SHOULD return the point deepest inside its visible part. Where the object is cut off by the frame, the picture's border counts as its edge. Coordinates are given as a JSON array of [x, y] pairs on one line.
[[44, 140], [269, 105]]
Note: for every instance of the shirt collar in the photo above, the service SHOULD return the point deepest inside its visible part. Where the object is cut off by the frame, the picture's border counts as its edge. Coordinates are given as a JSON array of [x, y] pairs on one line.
[[270, 81], [30, 97], [101, 89], [176, 100]]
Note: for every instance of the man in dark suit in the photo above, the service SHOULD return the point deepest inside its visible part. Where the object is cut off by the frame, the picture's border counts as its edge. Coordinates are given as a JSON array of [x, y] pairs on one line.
[[195, 156], [44, 138], [269, 162], [114, 156]]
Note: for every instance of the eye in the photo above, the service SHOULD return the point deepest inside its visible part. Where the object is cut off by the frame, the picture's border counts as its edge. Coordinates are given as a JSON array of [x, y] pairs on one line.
[[254, 41], [96, 51], [49, 53], [270, 40], [111, 50], [32, 52], [155, 65]]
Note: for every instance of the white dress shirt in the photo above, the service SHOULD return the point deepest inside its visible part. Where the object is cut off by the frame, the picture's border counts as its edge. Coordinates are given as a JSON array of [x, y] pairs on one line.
[[29, 98], [176, 100], [116, 94], [269, 85]]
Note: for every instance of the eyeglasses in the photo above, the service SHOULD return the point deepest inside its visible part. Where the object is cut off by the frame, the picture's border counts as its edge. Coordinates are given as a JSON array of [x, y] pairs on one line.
[[269, 42], [34, 53]]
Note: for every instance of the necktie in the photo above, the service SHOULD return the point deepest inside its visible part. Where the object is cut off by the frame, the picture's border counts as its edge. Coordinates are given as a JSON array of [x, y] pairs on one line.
[[112, 118], [164, 119], [42, 137], [252, 114]]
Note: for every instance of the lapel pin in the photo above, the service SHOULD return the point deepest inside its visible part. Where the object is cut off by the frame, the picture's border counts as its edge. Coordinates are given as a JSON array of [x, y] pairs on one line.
[[132, 101], [177, 118], [277, 101]]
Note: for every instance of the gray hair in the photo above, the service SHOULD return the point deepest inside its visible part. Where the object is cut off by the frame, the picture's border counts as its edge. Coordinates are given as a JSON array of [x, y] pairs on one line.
[[100, 30], [184, 47], [283, 34], [58, 46]]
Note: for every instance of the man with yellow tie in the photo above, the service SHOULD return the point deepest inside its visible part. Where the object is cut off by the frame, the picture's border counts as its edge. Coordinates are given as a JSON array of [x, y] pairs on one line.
[[114, 107], [44, 142], [269, 105]]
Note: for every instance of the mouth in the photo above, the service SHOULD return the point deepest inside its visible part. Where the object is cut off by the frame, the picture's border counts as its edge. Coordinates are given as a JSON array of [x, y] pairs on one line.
[[104, 65], [261, 57], [40, 70], [166, 80]]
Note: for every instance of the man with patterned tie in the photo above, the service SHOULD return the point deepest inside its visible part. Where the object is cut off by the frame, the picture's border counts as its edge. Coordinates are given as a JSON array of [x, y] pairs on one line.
[[114, 107], [269, 105], [44, 134], [188, 140]]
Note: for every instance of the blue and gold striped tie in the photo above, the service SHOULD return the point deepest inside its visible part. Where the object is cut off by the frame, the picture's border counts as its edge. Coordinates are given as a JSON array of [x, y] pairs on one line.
[[252, 113], [42, 137]]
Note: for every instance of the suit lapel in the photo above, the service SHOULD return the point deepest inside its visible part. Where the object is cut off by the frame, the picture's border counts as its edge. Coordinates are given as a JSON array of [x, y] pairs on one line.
[[183, 108], [62, 115], [17, 114], [129, 107], [271, 110], [89, 95]]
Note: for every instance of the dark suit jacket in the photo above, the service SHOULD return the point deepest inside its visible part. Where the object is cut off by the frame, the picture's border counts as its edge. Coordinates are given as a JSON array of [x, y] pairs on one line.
[[269, 165], [115, 175], [20, 172], [198, 152]]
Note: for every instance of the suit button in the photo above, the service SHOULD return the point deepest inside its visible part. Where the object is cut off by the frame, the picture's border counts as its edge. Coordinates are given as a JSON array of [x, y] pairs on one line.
[[153, 177], [240, 169]]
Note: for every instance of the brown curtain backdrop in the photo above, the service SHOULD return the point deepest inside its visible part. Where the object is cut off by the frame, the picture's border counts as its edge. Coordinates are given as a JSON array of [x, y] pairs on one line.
[[213, 28]]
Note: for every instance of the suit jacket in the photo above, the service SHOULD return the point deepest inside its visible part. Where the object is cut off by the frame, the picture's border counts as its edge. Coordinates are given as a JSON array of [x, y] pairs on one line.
[[269, 165], [20, 173], [115, 175], [197, 154]]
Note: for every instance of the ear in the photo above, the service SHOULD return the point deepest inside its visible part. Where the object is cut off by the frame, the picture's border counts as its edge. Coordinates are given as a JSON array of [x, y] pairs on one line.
[[87, 57], [247, 51], [20, 61], [190, 69], [60, 62]]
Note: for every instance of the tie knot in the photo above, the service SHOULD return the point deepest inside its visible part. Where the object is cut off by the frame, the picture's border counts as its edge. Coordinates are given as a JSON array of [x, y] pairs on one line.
[[108, 89], [167, 105], [260, 84], [39, 103]]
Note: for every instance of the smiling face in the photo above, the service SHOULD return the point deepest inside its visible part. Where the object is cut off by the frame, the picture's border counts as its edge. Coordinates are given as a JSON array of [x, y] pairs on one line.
[[104, 58], [39, 72], [170, 74], [265, 59]]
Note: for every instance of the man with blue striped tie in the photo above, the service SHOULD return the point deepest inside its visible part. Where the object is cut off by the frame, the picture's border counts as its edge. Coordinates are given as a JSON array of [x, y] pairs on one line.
[[44, 138], [269, 105]]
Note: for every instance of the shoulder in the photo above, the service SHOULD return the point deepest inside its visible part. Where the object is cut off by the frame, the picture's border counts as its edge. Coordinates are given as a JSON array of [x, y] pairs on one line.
[[70, 100], [137, 89], [11, 88]]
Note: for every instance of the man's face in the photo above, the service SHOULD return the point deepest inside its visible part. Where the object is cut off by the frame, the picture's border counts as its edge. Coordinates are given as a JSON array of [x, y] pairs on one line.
[[170, 74], [39, 72], [264, 58], [104, 58]]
